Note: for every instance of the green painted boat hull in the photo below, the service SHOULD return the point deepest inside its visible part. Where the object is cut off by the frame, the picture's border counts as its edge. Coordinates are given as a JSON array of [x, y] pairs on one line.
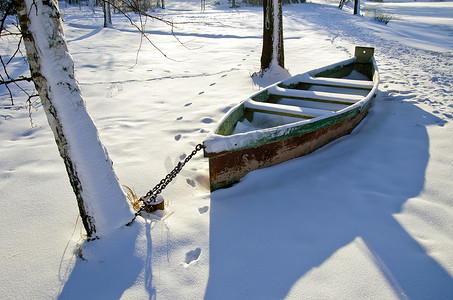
[[246, 152]]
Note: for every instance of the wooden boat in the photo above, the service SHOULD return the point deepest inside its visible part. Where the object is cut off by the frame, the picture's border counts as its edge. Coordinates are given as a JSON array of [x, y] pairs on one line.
[[292, 118]]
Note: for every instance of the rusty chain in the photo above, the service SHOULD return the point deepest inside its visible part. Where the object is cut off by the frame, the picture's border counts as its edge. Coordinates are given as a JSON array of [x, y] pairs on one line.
[[150, 197]]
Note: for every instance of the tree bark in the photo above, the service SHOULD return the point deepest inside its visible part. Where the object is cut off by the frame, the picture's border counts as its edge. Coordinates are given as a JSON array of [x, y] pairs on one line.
[[102, 204], [356, 7], [273, 52], [107, 14]]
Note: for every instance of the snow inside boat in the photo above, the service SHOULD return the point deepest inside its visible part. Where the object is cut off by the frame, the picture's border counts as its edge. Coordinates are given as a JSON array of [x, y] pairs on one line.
[[292, 118]]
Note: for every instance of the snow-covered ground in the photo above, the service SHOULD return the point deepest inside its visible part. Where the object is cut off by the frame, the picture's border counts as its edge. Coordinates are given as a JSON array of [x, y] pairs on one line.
[[367, 217]]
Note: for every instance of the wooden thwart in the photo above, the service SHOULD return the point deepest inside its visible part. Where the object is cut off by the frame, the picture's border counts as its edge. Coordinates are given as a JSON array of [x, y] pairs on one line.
[[316, 95], [285, 110], [339, 82]]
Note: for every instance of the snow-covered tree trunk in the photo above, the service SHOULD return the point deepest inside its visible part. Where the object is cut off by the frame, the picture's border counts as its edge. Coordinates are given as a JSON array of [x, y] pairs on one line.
[[102, 203], [272, 53]]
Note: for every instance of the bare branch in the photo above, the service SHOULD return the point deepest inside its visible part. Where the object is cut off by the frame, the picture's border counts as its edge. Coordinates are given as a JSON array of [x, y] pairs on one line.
[[17, 50], [31, 105], [135, 7], [141, 40], [141, 13], [6, 80], [12, 80], [9, 92], [2, 23], [7, 9]]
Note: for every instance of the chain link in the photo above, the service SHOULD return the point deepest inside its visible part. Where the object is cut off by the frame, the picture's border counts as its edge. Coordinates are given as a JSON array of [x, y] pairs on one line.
[[150, 198]]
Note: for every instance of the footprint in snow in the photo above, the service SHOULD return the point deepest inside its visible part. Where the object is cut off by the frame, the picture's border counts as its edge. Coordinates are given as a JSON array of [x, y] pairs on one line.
[[207, 120], [191, 182], [178, 137], [188, 104], [226, 109], [203, 210], [115, 89], [200, 93], [192, 256], [212, 84], [224, 75], [179, 119]]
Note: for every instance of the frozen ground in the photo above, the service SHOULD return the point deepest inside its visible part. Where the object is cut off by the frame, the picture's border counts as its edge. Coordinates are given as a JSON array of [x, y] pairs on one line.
[[367, 217]]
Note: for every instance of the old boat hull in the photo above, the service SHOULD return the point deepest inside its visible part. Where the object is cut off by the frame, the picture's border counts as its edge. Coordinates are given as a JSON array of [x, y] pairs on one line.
[[239, 154]]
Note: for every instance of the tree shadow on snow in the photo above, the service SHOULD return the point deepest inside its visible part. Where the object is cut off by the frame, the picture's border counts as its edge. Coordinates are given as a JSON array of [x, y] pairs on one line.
[[111, 266], [279, 223], [95, 30]]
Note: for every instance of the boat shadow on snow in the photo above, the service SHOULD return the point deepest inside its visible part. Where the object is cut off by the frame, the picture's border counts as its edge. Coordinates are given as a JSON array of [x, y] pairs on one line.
[[280, 225]]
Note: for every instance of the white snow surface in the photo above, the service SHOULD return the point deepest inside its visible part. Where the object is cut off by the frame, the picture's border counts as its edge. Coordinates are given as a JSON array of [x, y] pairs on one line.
[[368, 216]]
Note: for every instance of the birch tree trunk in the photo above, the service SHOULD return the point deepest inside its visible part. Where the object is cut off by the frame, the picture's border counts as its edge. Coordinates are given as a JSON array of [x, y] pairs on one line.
[[102, 203], [273, 52]]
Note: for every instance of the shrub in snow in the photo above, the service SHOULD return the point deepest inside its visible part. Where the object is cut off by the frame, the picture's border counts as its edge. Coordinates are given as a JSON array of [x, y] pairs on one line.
[[382, 17]]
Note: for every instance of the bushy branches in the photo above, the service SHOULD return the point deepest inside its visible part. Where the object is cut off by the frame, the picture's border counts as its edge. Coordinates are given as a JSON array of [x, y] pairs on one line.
[[381, 17]]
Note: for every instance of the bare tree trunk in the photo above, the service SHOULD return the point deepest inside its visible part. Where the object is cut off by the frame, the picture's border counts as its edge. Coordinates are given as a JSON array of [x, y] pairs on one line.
[[102, 204], [107, 14], [273, 52], [356, 7], [203, 5]]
